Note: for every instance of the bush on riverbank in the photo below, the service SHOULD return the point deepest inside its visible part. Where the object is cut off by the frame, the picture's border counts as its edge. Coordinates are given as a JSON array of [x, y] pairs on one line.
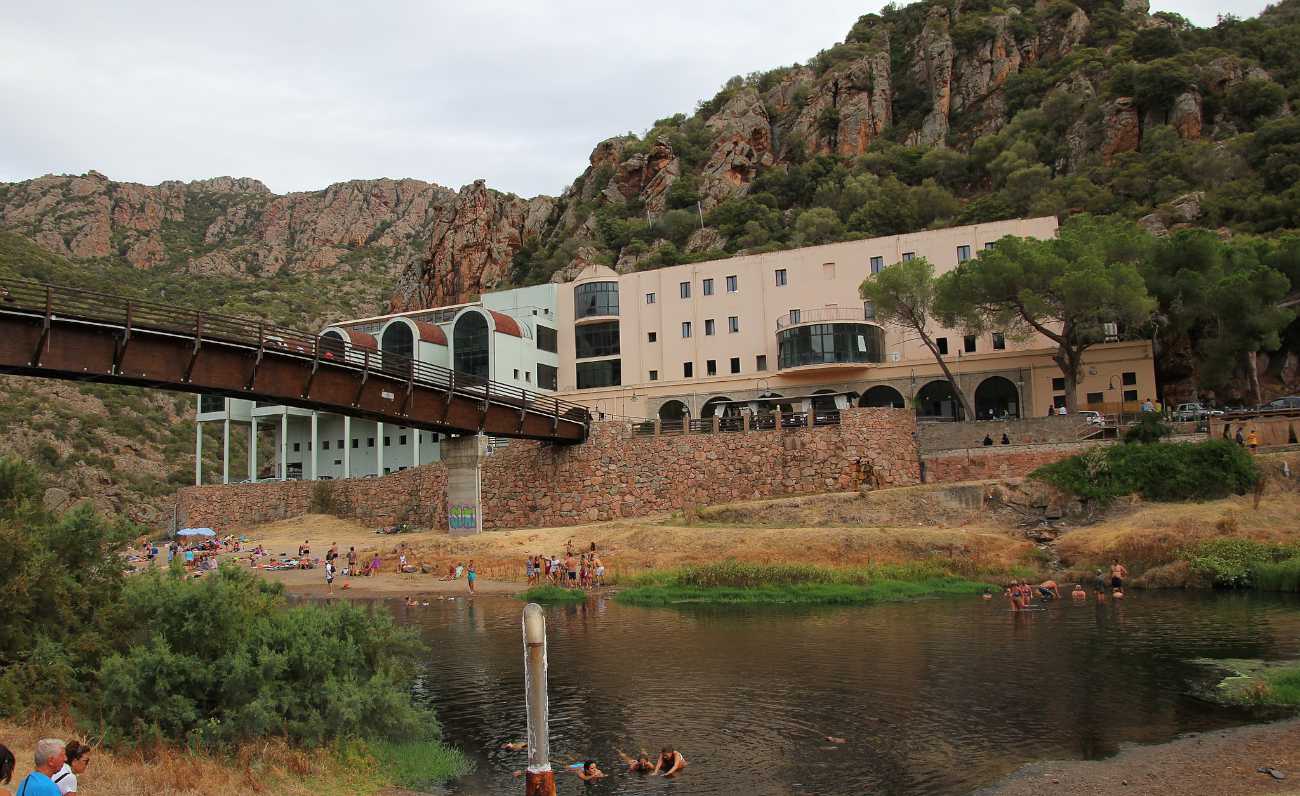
[[732, 582], [1244, 564], [553, 594], [1159, 471]]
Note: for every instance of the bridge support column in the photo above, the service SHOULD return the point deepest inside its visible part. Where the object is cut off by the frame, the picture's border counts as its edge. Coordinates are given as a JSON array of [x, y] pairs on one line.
[[347, 446], [252, 449], [315, 442], [379, 449], [463, 457], [198, 453], [284, 446], [225, 446], [415, 447]]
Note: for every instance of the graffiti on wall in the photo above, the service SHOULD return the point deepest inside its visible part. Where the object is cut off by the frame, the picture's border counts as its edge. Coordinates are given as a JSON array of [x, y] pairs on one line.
[[462, 516]]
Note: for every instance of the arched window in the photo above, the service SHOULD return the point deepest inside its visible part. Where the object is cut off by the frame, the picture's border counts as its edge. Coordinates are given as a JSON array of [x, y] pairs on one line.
[[720, 406], [937, 399], [673, 410], [996, 397], [882, 395], [398, 339], [470, 339]]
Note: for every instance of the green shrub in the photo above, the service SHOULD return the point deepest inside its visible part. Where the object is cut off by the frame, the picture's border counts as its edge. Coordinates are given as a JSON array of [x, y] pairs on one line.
[[1278, 575], [1238, 563], [1159, 471], [1149, 428]]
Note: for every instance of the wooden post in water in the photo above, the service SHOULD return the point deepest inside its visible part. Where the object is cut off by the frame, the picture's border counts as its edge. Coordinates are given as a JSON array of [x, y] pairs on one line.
[[539, 780]]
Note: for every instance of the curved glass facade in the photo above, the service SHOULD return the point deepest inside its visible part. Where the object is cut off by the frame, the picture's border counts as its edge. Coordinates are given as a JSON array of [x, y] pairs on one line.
[[830, 343], [470, 344], [596, 339], [594, 299]]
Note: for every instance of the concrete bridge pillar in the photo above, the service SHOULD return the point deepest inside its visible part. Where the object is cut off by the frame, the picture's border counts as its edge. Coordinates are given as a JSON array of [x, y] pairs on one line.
[[252, 450], [347, 446], [463, 457], [379, 449]]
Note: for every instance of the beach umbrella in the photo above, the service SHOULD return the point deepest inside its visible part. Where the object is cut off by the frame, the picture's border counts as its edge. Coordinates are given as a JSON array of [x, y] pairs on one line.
[[196, 532]]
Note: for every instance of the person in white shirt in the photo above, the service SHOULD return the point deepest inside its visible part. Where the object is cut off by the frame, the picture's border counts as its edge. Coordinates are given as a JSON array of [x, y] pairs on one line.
[[78, 759]]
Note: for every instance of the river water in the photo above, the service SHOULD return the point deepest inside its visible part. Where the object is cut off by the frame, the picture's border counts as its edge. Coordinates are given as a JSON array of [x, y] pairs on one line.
[[931, 697]]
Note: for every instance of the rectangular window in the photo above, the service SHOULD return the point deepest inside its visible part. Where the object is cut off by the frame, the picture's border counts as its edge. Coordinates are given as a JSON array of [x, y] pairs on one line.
[[337, 462], [688, 369], [605, 373], [649, 298], [708, 327], [1058, 401], [528, 376], [340, 445], [686, 328], [685, 288], [651, 337], [941, 343], [733, 323], [1094, 398], [388, 441], [780, 277], [828, 270], [516, 374], [325, 445], [1130, 395], [708, 287], [297, 447], [1130, 379], [909, 256], [711, 367], [654, 375], [733, 284], [547, 376], [877, 263], [760, 362], [547, 340], [968, 343], [401, 440], [370, 442], [999, 342], [794, 316], [989, 245], [1058, 384], [595, 340], [735, 364], [963, 254], [356, 443], [869, 310]]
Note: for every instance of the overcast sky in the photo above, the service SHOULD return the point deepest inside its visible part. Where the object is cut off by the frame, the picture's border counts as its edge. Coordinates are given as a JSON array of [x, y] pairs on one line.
[[303, 94]]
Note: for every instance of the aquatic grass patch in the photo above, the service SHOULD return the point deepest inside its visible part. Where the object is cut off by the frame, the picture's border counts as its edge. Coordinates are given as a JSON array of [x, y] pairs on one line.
[[419, 764], [1257, 683], [1278, 575], [737, 583], [553, 594]]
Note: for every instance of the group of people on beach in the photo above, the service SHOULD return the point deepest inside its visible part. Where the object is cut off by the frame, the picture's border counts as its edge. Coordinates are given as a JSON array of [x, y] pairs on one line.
[[585, 571], [669, 763], [1021, 594]]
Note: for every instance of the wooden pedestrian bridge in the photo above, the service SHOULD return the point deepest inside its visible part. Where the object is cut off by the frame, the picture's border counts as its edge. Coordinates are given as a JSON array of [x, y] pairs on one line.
[[66, 333]]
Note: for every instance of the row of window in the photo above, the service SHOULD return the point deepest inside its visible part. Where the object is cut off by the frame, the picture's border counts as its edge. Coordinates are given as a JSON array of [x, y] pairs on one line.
[[706, 287], [370, 442], [969, 343], [733, 326], [711, 367]]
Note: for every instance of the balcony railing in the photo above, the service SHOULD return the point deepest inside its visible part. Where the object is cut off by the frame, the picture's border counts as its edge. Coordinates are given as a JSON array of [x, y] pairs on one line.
[[823, 315]]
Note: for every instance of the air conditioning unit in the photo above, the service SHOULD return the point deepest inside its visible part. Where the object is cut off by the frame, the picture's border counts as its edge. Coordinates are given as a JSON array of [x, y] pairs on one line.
[[895, 356], [1110, 331]]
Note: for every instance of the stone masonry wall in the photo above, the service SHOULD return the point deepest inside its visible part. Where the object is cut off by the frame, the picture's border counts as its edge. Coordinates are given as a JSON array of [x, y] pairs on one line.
[[417, 495], [997, 462], [615, 475], [529, 484], [1026, 431]]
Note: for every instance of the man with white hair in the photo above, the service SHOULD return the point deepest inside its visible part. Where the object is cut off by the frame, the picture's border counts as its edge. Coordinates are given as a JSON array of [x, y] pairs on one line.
[[50, 756]]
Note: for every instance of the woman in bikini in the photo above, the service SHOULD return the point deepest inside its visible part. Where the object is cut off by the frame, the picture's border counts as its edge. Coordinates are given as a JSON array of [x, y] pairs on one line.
[[670, 762]]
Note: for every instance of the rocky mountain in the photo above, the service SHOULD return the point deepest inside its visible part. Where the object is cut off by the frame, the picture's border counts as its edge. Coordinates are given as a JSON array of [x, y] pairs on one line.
[[935, 113]]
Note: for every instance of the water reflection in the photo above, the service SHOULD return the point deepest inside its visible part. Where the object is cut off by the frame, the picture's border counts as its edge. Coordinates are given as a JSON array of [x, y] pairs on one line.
[[931, 697]]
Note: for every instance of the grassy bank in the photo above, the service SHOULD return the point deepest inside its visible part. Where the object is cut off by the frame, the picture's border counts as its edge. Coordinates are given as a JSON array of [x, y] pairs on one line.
[[1257, 683], [735, 583], [553, 594]]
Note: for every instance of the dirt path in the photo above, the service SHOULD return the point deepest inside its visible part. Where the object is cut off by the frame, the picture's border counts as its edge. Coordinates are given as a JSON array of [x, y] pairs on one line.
[[1219, 763]]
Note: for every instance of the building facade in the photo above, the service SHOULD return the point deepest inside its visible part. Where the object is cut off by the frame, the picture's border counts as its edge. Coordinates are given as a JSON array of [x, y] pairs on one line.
[[782, 330]]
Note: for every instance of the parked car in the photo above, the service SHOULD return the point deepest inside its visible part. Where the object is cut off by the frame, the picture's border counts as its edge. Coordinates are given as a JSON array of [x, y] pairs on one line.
[[1285, 402], [1093, 418], [1194, 412]]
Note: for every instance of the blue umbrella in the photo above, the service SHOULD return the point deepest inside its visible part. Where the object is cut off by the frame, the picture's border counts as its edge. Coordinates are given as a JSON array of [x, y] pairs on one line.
[[196, 532]]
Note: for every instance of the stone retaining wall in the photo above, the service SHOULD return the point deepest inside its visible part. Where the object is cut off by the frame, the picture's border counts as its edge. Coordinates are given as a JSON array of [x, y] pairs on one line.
[[613, 474], [997, 462], [1271, 430], [939, 436]]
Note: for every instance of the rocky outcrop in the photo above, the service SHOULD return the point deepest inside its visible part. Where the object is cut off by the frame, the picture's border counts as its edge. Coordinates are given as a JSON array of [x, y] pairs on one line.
[[981, 74], [472, 241], [1123, 128], [1185, 115], [860, 96], [742, 144], [932, 63], [648, 176], [1177, 214]]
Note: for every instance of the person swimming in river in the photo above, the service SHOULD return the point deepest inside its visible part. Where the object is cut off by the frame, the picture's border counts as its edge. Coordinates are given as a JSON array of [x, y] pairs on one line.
[[636, 765], [1049, 590], [589, 771], [515, 746], [670, 762], [1078, 593]]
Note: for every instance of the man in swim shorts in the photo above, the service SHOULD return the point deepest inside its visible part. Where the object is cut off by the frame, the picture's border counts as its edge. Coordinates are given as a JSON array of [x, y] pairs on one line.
[[1118, 573]]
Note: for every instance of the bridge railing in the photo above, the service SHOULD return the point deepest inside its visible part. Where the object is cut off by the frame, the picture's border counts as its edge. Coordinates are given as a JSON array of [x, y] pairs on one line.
[[130, 313]]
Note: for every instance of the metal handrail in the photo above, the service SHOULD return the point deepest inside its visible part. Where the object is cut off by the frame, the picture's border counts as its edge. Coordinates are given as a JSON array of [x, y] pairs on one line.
[[90, 306], [824, 314]]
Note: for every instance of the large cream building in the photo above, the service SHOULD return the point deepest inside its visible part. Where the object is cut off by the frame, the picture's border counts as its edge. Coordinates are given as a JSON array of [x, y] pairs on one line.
[[782, 331], [707, 337]]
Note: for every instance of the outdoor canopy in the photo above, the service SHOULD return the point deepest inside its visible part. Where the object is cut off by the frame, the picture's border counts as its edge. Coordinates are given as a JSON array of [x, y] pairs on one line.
[[196, 532]]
